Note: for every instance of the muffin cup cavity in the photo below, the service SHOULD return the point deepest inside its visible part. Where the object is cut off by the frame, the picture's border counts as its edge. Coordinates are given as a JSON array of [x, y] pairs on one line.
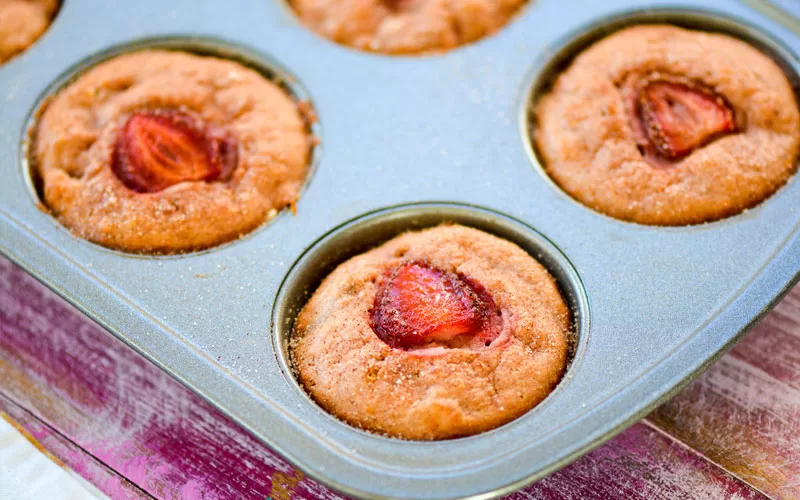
[[548, 68], [209, 47], [373, 229]]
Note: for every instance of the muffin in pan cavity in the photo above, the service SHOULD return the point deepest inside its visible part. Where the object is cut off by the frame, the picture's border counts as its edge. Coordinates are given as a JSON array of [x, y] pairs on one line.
[[436, 334], [662, 125], [22, 22], [405, 27], [161, 151]]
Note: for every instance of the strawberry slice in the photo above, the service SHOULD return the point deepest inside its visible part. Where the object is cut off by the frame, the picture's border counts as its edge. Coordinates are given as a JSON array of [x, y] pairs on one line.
[[679, 117], [157, 149], [417, 304]]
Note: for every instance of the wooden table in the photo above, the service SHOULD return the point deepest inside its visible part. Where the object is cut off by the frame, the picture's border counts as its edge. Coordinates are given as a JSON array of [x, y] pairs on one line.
[[100, 409]]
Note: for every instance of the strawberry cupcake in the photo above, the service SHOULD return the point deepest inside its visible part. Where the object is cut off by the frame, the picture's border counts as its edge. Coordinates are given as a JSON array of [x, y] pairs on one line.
[[436, 334], [405, 26], [165, 152], [22, 22], [661, 125]]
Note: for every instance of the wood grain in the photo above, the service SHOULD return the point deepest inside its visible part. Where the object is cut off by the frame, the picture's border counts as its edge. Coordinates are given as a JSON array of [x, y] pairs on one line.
[[744, 412], [74, 387], [74, 377], [68, 454], [640, 463]]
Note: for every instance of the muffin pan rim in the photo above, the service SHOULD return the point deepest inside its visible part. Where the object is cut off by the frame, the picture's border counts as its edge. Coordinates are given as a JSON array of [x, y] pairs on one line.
[[548, 254], [48, 256], [550, 64]]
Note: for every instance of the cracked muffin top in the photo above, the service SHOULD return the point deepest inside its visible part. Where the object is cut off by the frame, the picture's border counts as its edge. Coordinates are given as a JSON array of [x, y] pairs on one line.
[[22, 22], [405, 26]]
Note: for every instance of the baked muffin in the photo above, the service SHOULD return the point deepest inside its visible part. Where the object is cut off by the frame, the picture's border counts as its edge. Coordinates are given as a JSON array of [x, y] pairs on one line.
[[405, 26], [436, 334], [165, 152], [22, 22], [665, 126]]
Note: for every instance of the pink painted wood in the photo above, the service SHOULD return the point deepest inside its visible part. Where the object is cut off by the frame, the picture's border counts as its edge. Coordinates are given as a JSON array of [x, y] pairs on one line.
[[68, 454], [744, 412], [132, 430]]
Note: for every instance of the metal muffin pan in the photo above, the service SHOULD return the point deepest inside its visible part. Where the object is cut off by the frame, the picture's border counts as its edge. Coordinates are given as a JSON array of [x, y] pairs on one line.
[[663, 302]]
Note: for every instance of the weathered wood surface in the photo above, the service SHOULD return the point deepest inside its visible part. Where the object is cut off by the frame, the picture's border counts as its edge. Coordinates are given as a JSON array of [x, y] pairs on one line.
[[744, 412], [117, 407], [67, 454], [134, 432]]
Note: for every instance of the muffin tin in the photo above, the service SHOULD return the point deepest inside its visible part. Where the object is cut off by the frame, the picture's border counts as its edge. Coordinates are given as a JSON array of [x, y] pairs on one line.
[[407, 142]]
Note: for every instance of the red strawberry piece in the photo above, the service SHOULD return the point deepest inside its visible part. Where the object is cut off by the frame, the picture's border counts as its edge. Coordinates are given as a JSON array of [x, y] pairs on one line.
[[417, 304], [679, 116], [157, 149]]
